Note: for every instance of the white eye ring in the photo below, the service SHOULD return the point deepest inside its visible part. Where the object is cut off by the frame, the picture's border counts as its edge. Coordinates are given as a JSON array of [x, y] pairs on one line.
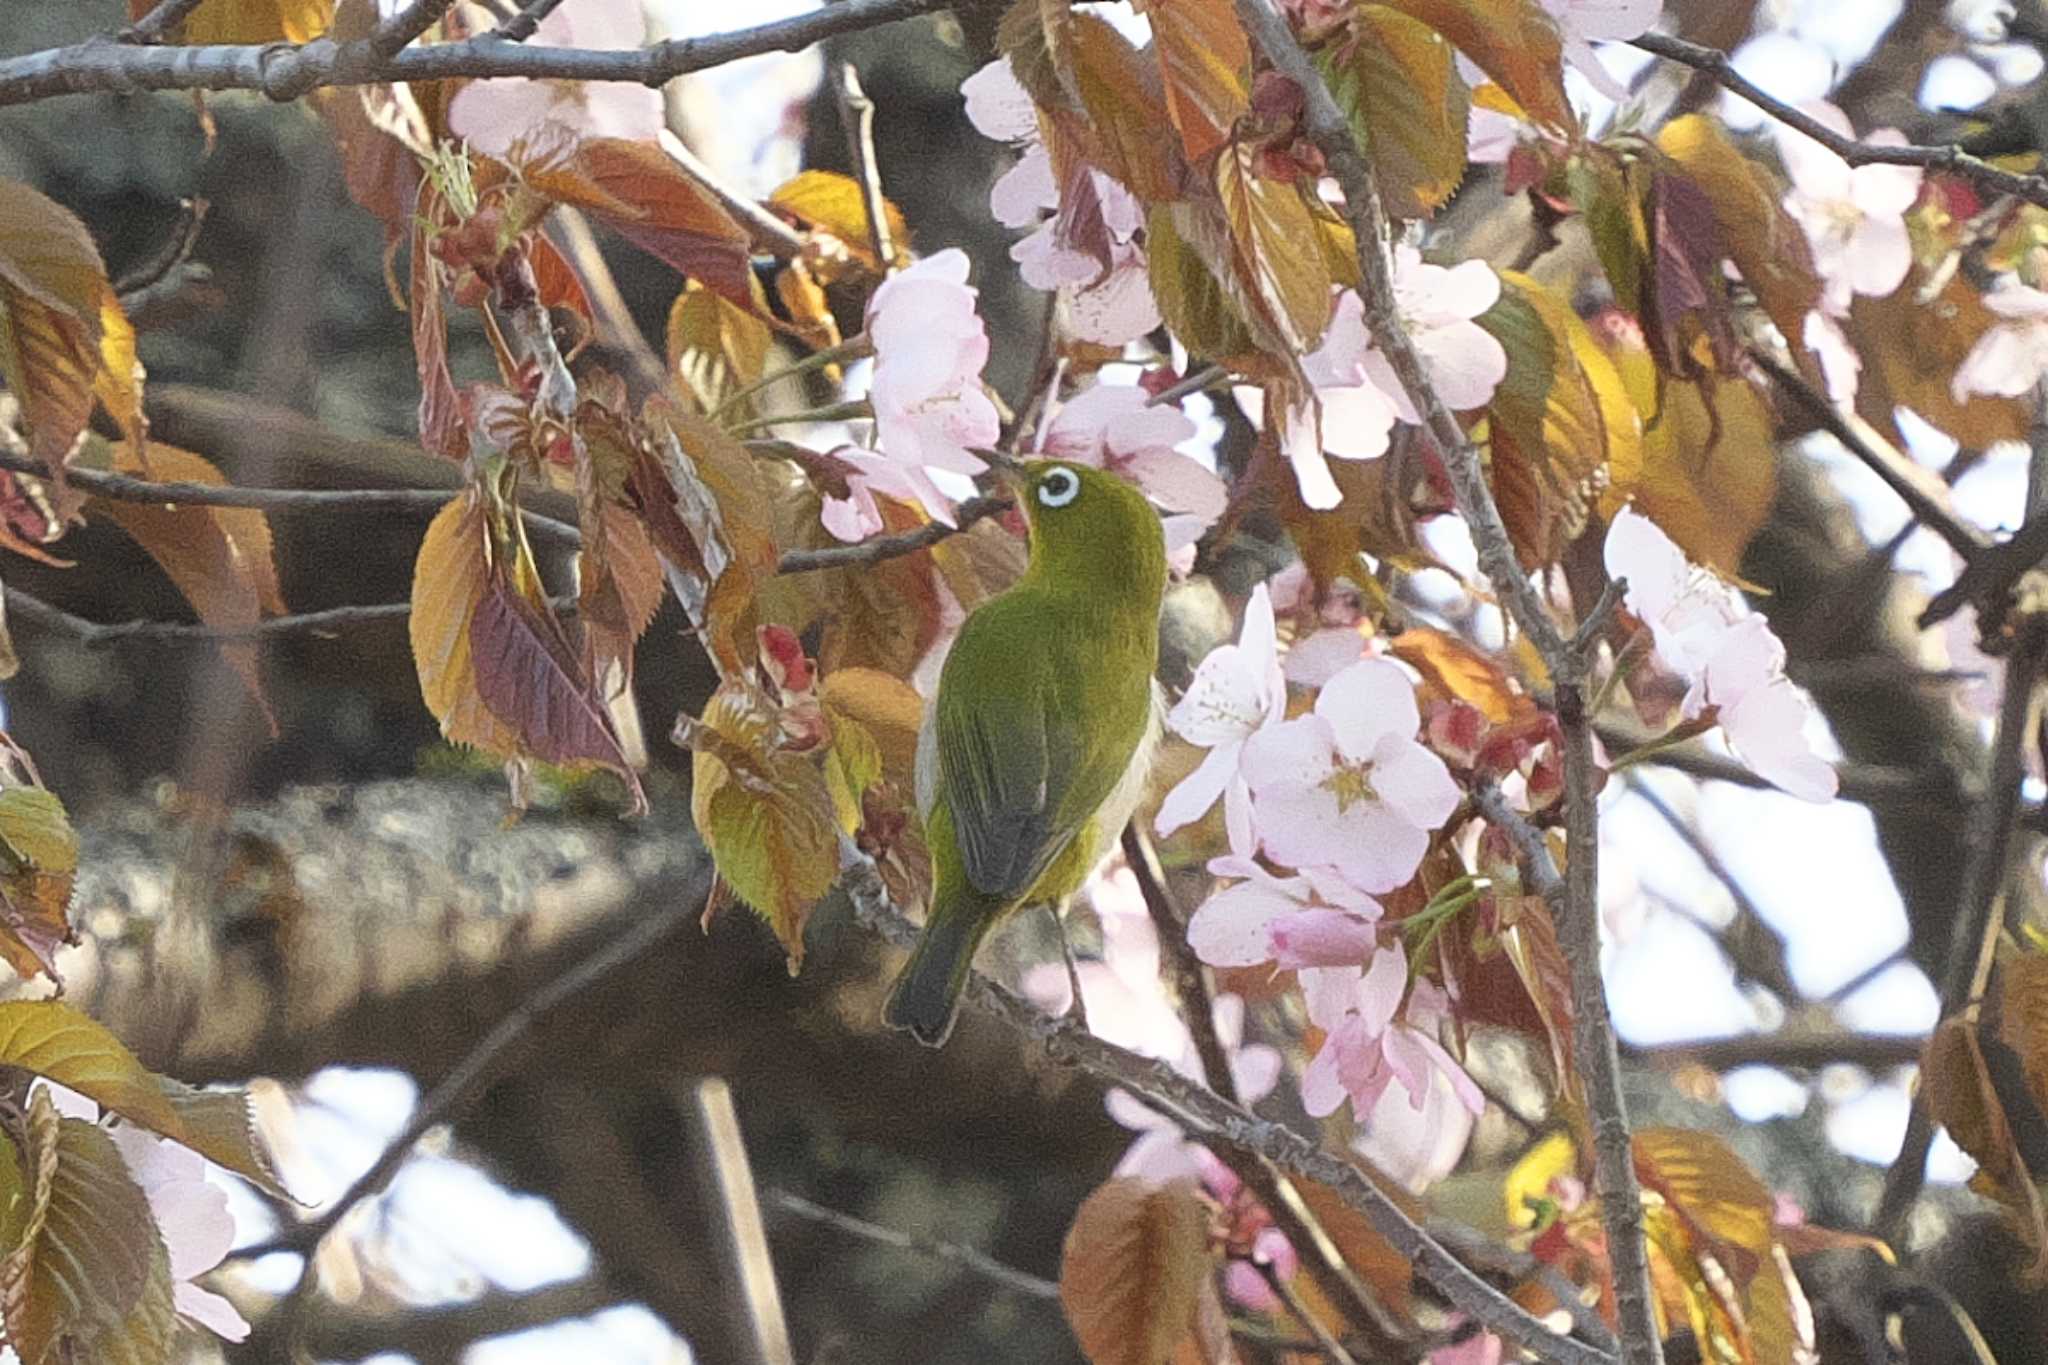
[[1058, 488]]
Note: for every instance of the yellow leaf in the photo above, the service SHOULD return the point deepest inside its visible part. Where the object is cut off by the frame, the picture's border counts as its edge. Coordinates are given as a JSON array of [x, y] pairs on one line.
[[35, 882], [715, 349], [63, 337], [449, 579], [828, 202], [1530, 1179], [1132, 1272], [1919, 375], [1767, 246], [251, 21], [58, 1043], [1721, 1200]]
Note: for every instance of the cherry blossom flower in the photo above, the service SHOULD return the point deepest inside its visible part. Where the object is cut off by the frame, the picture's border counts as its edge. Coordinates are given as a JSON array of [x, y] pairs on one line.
[[1237, 689], [1162, 1152], [1347, 786], [1581, 21], [1312, 919], [191, 1213], [1481, 1348], [1111, 426], [2012, 355], [492, 115], [1357, 394], [1854, 216], [1726, 652], [929, 403], [1087, 250], [1366, 1048]]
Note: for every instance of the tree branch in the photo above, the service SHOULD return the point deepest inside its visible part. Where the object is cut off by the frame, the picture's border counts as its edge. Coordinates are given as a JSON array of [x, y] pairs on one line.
[[863, 553], [1209, 1117], [1716, 66], [1579, 927], [159, 23], [967, 1258], [99, 634], [286, 71], [461, 1086]]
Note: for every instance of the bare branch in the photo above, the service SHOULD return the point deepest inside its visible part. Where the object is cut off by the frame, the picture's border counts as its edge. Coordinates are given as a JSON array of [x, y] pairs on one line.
[[329, 621], [527, 22], [409, 23], [160, 23], [857, 121], [461, 1086], [879, 548], [1716, 66], [285, 71], [1209, 1117], [967, 1258], [1614, 1174]]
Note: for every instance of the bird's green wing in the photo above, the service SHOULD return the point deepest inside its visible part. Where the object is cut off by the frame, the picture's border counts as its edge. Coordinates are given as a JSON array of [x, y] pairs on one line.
[[1015, 770]]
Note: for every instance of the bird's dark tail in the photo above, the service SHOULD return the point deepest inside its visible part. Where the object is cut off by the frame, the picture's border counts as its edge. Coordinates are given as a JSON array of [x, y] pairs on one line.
[[926, 997]]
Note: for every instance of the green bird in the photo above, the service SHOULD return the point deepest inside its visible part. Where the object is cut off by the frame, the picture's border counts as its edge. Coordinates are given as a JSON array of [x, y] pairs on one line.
[[1034, 753]]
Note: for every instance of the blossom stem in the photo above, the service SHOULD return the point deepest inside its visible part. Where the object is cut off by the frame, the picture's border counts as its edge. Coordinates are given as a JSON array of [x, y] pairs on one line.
[[849, 411], [854, 348]]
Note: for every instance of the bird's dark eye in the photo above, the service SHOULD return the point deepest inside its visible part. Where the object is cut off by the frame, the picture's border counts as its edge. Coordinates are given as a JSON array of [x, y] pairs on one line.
[[1058, 488]]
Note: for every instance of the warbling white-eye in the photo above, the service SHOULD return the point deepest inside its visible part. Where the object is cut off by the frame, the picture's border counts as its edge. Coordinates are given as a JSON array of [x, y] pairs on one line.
[[1035, 750]]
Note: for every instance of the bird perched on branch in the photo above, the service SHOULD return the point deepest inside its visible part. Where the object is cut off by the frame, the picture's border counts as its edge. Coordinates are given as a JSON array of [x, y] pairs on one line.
[[1035, 750]]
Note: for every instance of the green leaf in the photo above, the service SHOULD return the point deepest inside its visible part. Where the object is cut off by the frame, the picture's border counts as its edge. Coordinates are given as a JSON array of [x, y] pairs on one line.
[[1513, 41], [60, 1044], [1191, 299], [35, 828], [220, 1125], [1397, 81]]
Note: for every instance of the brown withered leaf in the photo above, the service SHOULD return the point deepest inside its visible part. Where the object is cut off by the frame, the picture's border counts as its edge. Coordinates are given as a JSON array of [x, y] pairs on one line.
[[2023, 1016], [1204, 66], [882, 616], [711, 520], [1132, 1270], [835, 205], [646, 196], [1397, 81], [1460, 670], [1390, 1274], [220, 558], [1957, 1086], [64, 341], [765, 811], [1763, 241], [1513, 41], [1528, 935]]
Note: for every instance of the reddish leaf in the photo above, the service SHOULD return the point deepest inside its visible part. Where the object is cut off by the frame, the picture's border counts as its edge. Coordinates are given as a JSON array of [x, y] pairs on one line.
[[1513, 41], [1125, 114], [532, 680], [1203, 63], [646, 196], [442, 430], [1132, 1272], [1686, 308]]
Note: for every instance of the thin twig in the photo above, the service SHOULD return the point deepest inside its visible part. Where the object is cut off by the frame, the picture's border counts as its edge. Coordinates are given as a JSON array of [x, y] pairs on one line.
[[1979, 896], [1209, 1117], [461, 1087], [1989, 579], [1789, 1051], [966, 1257], [331, 620], [771, 234], [160, 23], [1923, 492], [755, 1312], [873, 551], [1323, 1258], [527, 22], [286, 71], [1765, 961], [407, 24], [1717, 67], [1867, 784], [175, 251], [1614, 1174], [857, 119]]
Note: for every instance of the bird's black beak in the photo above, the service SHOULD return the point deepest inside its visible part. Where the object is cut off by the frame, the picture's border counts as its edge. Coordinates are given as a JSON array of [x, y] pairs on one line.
[[1008, 469]]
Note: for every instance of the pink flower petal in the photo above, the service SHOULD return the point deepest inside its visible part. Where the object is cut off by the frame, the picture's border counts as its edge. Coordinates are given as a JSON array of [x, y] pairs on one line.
[[1192, 796], [1371, 699], [1231, 928], [1320, 938], [1379, 848], [998, 105], [1022, 193], [1413, 781], [1386, 981]]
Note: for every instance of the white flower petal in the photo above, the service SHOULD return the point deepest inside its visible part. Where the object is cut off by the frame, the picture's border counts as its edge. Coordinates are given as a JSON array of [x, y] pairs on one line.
[[1369, 700], [1414, 781]]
